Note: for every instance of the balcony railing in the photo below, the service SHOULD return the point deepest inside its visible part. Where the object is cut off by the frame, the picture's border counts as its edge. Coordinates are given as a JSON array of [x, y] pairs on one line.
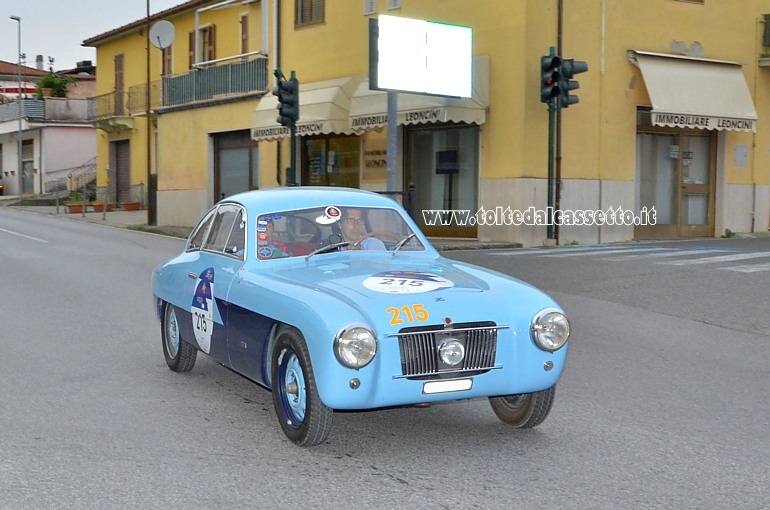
[[112, 104], [204, 84], [48, 109], [137, 97], [209, 83]]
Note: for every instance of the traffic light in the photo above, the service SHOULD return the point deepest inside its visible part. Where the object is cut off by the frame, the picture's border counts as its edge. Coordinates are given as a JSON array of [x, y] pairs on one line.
[[288, 99], [569, 68], [549, 78]]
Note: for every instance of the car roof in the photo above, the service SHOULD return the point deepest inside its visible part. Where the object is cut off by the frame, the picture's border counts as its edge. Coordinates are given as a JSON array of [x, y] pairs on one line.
[[282, 199]]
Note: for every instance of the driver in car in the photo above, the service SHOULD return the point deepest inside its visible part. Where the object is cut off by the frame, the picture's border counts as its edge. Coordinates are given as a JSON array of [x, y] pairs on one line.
[[352, 228]]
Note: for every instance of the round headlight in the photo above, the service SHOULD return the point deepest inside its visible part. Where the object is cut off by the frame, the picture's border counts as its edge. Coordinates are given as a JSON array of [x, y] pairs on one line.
[[550, 330], [451, 351], [355, 346]]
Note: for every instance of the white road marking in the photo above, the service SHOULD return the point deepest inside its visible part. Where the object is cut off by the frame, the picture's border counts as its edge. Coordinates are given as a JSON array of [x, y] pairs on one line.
[[604, 252], [23, 235], [721, 258], [749, 268], [674, 253], [552, 251]]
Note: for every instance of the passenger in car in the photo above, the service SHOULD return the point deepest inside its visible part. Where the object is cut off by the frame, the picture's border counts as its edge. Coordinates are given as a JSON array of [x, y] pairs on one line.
[[271, 248]]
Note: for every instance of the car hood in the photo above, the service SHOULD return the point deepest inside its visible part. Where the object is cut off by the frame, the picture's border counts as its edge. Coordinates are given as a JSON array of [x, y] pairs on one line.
[[373, 284]]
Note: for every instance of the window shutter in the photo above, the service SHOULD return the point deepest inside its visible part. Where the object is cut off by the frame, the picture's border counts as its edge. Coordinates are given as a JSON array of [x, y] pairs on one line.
[[317, 11], [192, 50], [244, 34], [211, 52]]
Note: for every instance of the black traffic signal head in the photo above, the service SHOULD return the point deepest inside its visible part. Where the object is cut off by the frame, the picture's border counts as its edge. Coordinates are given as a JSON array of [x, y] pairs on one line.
[[549, 78], [569, 68], [288, 101]]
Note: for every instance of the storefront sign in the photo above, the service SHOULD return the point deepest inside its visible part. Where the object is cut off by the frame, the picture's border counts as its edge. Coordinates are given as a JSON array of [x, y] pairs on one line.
[[424, 116], [702, 122], [369, 121], [267, 133]]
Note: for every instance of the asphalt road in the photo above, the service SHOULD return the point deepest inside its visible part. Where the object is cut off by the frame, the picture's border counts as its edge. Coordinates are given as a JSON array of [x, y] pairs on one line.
[[664, 402]]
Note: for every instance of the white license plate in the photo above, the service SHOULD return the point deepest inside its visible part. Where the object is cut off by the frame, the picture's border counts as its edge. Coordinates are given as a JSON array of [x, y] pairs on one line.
[[447, 386]]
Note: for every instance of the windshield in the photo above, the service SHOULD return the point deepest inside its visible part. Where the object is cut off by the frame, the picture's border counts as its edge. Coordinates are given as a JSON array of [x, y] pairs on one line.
[[301, 232]]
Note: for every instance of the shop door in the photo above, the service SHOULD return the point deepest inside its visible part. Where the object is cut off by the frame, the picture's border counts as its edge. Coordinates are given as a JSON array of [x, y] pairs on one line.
[[675, 176], [442, 163]]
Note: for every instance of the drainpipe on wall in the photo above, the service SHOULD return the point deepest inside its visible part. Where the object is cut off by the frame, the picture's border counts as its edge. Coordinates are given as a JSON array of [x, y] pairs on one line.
[[276, 65]]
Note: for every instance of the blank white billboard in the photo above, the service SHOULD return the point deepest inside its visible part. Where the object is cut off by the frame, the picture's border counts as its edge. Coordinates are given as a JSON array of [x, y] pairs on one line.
[[422, 56]]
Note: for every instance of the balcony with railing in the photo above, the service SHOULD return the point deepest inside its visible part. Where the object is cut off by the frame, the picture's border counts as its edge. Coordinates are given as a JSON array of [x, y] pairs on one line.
[[47, 110], [115, 110], [216, 82]]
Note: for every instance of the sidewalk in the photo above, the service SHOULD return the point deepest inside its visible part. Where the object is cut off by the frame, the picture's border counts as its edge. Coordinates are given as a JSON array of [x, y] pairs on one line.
[[137, 220]]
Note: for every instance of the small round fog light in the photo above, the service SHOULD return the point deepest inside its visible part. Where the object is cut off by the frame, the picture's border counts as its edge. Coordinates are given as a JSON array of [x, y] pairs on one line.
[[451, 352]]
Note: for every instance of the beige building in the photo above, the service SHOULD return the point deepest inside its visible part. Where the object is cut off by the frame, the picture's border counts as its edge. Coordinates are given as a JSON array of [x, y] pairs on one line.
[[669, 118]]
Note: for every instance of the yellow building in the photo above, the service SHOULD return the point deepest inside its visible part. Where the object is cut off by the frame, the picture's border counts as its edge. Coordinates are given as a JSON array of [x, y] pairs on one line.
[[666, 128]]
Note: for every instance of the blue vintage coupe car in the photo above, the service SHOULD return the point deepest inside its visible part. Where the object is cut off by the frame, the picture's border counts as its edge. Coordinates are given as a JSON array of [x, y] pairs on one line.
[[333, 299]]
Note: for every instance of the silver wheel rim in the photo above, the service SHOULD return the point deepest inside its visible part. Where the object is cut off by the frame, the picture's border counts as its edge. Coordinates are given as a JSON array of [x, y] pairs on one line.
[[172, 333], [515, 403]]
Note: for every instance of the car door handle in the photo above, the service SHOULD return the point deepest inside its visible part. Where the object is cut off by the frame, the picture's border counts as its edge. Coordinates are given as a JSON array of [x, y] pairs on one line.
[[193, 276]]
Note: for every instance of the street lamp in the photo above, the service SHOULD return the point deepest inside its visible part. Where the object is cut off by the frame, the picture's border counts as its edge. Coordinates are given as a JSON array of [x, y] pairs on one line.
[[18, 102]]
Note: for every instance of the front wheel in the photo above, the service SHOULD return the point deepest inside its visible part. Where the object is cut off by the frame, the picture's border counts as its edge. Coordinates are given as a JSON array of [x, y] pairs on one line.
[[303, 417], [524, 411], [180, 356]]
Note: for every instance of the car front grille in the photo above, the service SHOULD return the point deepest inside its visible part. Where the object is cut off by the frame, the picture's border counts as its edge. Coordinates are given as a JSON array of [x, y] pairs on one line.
[[419, 348]]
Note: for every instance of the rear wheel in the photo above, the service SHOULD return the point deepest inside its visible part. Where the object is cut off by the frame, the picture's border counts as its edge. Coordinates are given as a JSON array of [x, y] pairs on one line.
[[180, 356], [526, 410], [303, 417]]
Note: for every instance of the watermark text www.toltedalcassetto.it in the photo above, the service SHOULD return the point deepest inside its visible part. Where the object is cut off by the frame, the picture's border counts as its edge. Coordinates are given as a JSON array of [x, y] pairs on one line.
[[537, 217]]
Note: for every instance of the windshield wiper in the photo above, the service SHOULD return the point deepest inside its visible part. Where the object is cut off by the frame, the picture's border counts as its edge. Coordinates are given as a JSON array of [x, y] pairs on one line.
[[403, 241], [328, 247]]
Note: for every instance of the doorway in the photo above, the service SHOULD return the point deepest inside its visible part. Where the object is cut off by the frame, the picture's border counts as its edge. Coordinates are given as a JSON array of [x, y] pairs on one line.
[[120, 171], [675, 175], [443, 164], [27, 166], [236, 164]]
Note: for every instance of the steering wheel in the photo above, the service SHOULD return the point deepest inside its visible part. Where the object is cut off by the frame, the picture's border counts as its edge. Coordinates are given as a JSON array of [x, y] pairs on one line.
[[355, 244]]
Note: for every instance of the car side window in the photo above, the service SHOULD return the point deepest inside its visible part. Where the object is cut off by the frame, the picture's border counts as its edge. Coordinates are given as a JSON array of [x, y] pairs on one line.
[[221, 228], [236, 245], [198, 236]]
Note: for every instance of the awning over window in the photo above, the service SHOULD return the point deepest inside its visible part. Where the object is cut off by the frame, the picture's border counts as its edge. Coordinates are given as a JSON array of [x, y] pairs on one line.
[[323, 109], [369, 109], [696, 93]]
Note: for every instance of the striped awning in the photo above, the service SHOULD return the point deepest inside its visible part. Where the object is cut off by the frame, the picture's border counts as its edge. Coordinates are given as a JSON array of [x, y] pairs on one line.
[[696, 93]]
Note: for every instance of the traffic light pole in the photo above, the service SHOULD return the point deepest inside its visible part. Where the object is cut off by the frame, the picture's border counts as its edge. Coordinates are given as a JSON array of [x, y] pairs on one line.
[[551, 137], [292, 181], [552, 107], [556, 83]]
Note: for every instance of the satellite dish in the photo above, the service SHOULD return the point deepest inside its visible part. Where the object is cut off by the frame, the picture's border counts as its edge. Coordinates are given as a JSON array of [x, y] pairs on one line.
[[162, 34]]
